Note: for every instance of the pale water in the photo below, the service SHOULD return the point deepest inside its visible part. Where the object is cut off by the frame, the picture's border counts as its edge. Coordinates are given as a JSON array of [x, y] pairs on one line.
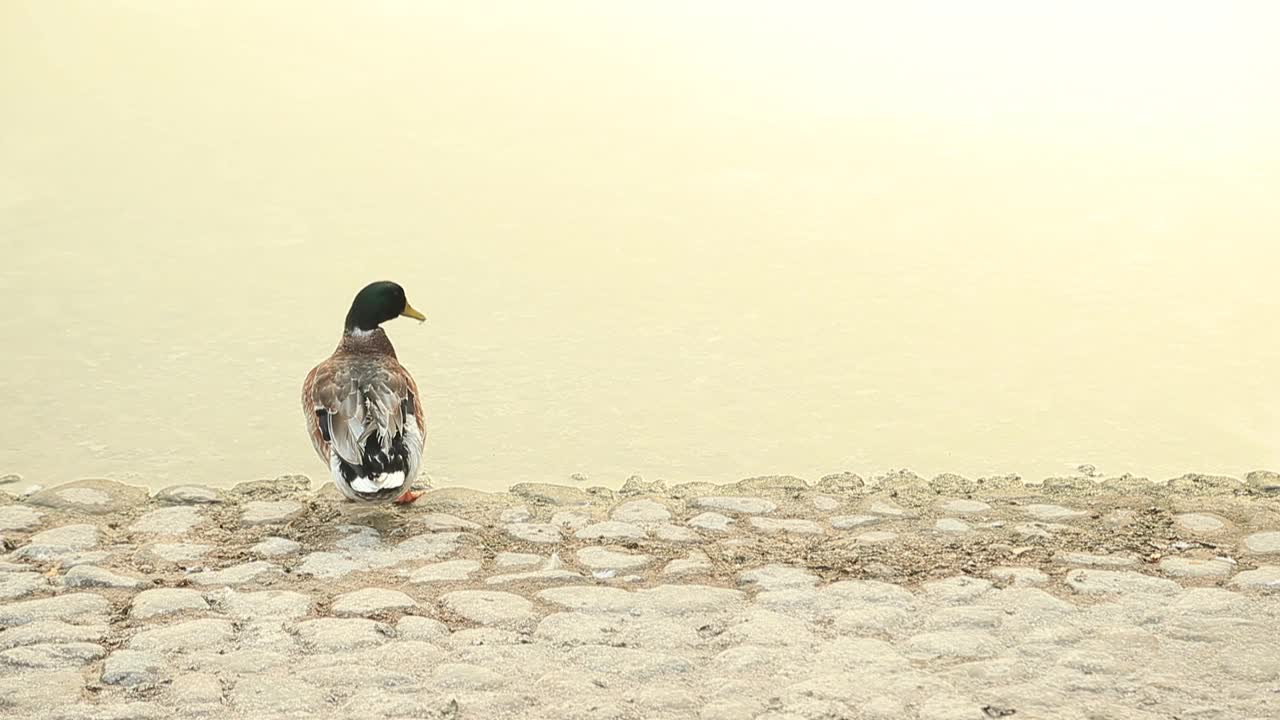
[[695, 244]]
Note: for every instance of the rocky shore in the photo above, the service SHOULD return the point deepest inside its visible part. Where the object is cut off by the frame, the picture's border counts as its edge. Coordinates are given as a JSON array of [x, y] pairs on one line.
[[772, 599]]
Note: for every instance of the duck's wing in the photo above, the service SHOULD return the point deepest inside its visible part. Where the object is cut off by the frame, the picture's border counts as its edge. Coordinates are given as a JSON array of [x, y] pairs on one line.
[[350, 403]]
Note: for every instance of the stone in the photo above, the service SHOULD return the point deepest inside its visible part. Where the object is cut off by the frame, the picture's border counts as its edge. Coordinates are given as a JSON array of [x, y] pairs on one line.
[[696, 562], [448, 571], [168, 521], [610, 530], [370, 601], [28, 694], [1111, 582], [876, 536], [68, 608], [824, 503], [736, 504], [1052, 512], [19, 517], [14, 585], [436, 522], [1198, 523], [188, 495], [53, 632], [952, 525], [675, 534], [957, 589], [491, 608], [554, 575], [548, 494], [964, 506], [780, 525], [570, 519], [342, 635], [242, 574], [713, 521], [90, 497], [1078, 558], [52, 656], [605, 558], [133, 668], [273, 696], [1019, 576], [179, 553], [535, 532], [777, 577], [261, 605], [1190, 567], [275, 547], [90, 576], [1266, 578], [1264, 482], [841, 482], [58, 543], [515, 515], [951, 645], [1263, 543], [166, 601], [641, 511], [511, 559], [880, 507], [415, 627], [269, 512], [194, 691], [846, 522], [185, 638]]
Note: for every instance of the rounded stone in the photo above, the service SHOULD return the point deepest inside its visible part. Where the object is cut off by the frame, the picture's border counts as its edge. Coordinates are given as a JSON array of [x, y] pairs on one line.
[[1198, 523], [19, 517], [846, 522], [785, 525], [90, 576], [1263, 543], [1190, 567], [1052, 512], [641, 511], [91, 497], [964, 506], [447, 571], [736, 504], [275, 547], [610, 530], [132, 668], [1265, 578], [487, 607], [952, 525], [166, 601], [713, 521], [370, 601], [604, 558], [534, 532], [168, 521], [188, 495]]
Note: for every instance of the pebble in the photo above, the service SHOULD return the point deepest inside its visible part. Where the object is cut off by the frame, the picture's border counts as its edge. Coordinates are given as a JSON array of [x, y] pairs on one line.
[[675, 534], [1190, 567], [166, 601], [1020, 576], [1263, 543], [179, 552], [487, 607], [964, 506], [52, 655], [515, 515], [641, 511], [712, 521], [825, 503], [341, 635], [132, 668], [168, 521], [696, 562], [19, 517], [846, 522], [610, 530], [242, 574], [269, 512], [535, 532], [1266, 577], [188, 495], [512, 559], [90, 497], [1110, 582], [605, 558], [58, 543], [90, 576], [14, 585], [1052, 512], [447, 571], [370, 601], [1198, 523], [952, 525], [780, 525], [183, 638], [276, 547], [742, 505], [416, 627], [1078, 558], [69, 608]]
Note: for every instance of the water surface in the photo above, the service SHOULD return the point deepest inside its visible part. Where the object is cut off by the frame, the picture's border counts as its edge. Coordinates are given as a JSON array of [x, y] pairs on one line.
[[695, 244]]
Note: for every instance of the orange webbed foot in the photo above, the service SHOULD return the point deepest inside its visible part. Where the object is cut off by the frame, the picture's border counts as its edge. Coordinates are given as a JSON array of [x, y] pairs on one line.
[[408, 497]]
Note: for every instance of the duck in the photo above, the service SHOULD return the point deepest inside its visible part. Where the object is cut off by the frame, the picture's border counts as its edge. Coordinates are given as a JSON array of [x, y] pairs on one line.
[[362, 407]]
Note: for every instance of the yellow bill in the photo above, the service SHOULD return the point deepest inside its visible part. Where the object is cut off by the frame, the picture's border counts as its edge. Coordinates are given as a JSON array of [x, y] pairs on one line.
[[410, 312]]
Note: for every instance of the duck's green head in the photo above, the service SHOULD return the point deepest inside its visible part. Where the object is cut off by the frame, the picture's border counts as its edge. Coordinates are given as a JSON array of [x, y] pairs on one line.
[[377, 303]]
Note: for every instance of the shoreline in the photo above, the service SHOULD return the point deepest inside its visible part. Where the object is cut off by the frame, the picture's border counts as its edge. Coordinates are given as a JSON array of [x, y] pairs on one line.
[[194, 601]]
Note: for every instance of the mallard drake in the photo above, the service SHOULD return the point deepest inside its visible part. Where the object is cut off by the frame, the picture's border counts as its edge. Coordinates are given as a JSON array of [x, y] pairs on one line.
[[362, 407]]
